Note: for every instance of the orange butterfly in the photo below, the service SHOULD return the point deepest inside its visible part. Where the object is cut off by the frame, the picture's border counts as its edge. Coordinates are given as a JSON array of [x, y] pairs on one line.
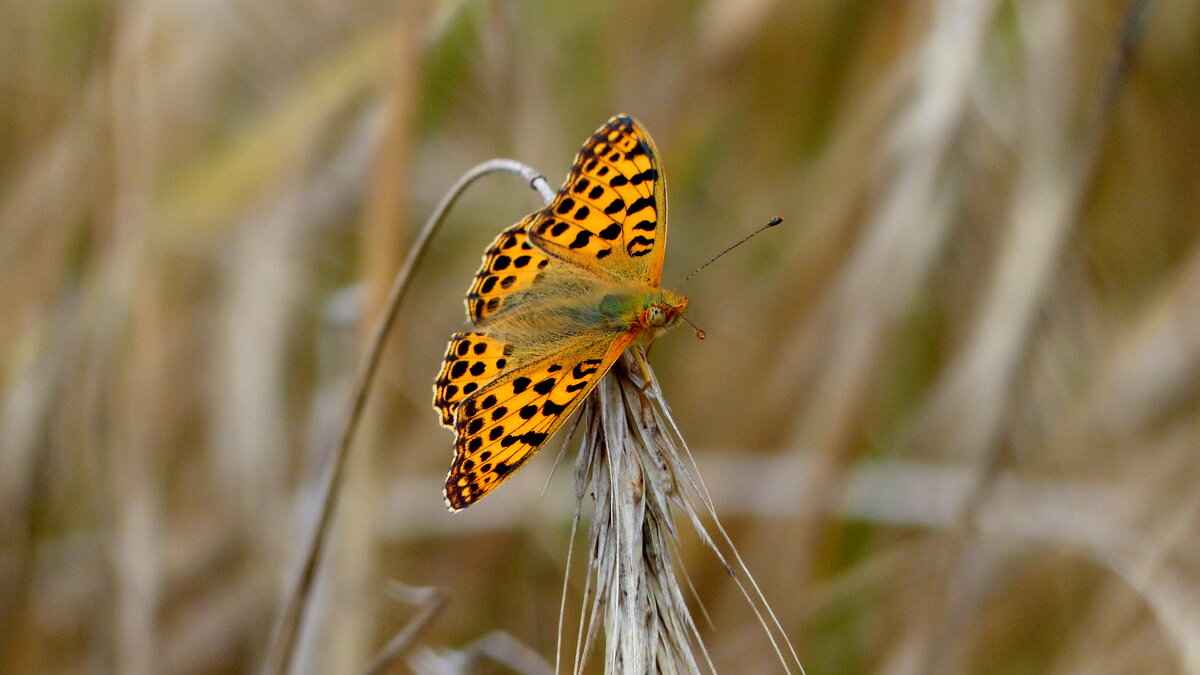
[[559, 297]]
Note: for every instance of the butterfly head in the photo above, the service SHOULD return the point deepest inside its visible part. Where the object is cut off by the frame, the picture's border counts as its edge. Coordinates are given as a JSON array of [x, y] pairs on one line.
[[661, 310]]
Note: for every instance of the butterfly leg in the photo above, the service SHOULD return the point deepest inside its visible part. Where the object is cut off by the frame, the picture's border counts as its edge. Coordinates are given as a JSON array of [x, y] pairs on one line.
[[640, 356]]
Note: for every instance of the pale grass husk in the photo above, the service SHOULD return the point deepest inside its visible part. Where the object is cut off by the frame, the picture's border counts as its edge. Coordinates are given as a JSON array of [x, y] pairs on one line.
[[634, 463]]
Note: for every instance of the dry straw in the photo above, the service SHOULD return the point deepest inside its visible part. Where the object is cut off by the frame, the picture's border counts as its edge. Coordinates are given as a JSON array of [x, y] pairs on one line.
[[284, 642], [636, 465]]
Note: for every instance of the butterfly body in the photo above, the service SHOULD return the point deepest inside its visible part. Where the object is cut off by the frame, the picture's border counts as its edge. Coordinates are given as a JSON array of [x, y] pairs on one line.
[[559, 297]]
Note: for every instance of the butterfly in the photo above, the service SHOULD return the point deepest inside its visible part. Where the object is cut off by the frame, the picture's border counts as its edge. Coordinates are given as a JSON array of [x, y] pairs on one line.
[[559, 297]]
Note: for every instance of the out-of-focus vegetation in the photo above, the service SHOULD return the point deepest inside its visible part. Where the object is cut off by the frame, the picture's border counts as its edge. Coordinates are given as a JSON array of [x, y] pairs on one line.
[[948, 411]]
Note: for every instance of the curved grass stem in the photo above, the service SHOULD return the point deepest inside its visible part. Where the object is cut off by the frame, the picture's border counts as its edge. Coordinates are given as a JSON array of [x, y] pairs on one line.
[[284, 644]]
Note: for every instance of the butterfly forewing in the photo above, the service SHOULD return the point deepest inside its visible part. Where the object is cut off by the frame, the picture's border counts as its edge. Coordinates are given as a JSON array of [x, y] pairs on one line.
[[500, 426], [510, 264], [610, 216]]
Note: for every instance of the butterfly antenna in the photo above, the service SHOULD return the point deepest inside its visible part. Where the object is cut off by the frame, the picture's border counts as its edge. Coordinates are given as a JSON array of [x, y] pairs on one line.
[[700, 334], [770, 223]]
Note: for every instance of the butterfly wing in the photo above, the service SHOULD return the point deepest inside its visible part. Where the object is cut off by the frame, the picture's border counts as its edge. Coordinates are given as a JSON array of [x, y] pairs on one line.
[[608, 218], [501, 425], [610, 215], [510, 264], [472, 361]]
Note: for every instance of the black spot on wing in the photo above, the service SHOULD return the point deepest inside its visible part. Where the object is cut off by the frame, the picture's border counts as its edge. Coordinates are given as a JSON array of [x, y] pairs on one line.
[[648, 174], [640, 204], [585, 368], [581, 239], [639, 246]]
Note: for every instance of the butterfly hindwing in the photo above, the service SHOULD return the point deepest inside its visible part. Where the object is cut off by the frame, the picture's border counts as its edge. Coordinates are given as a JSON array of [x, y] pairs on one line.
[[610, 215], [503, 424], [472, 361], [510, 264]]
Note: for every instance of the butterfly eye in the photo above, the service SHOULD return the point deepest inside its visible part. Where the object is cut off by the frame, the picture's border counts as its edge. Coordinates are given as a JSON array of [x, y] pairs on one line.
[[656, 316]]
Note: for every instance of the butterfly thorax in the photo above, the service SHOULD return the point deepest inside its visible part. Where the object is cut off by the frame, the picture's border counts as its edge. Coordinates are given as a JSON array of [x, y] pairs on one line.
[[551, 314]]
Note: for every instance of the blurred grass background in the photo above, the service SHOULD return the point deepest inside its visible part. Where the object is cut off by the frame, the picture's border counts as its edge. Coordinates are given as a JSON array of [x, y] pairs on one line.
[[948, 410]]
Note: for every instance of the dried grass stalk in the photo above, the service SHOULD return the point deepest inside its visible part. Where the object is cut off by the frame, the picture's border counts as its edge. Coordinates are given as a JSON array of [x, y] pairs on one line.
[[286, 632], [634, 463]]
